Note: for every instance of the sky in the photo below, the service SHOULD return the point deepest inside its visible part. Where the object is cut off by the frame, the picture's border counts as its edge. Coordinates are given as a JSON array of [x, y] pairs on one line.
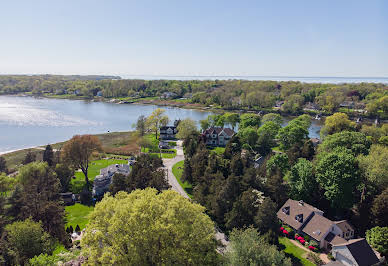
[[200, 37]]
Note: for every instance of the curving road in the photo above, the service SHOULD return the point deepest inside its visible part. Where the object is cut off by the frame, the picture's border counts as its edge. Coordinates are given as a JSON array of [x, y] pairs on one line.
[[168, 164]]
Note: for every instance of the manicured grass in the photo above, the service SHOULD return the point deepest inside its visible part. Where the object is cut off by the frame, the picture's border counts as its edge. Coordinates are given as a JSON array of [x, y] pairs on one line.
[[294, 252], [177, 170], [77, 214], [219, 150], [94, 170]]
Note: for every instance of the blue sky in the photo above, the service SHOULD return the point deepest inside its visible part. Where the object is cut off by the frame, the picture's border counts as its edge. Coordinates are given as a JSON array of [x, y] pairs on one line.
[[281, 38]]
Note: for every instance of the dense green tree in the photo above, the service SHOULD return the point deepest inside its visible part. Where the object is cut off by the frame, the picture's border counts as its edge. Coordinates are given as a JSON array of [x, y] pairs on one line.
[[272, 117], [147, 228], [379, 209], [26, 239], [375, 166], [185, 128], [156, 120], [249, 120], [40, 198], [64, 173], [233, 147], [301, 179], [291, 134], [119, 183], [338, 174], [337, 122], [48, 155], [279, 162], [354, 141], [377, 237], [248, 248], [276, 188], [248, 136], [3, 165], [29, 158], [266, 219], [232, 118], [190, 144], [293, 104], [145, 173], [204, 124], [141, 125]]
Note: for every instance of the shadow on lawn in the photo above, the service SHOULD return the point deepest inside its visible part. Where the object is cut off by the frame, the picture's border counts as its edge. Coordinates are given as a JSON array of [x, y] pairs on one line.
[[295, 261]]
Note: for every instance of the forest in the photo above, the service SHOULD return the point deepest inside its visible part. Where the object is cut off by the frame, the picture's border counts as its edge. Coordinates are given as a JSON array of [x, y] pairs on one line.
[[363, 99]]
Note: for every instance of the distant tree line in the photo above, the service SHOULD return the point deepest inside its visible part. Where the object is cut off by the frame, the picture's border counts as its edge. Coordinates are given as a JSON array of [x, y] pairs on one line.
[[227, 94]]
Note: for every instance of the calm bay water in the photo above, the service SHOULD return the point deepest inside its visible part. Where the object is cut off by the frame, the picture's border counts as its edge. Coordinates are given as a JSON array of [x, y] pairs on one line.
[[28, 122]]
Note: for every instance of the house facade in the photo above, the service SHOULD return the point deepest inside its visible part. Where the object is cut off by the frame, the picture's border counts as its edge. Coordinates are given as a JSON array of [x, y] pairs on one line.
[[168, 132], [104, 179], [217, 136]]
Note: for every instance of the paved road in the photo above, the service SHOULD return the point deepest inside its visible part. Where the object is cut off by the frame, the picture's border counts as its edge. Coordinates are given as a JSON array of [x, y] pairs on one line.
[[168, 164]]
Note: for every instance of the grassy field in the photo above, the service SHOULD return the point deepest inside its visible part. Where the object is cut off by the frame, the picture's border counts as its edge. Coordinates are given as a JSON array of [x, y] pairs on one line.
[[94, 169], [177, 170], [296, 254], [218, 150], [122, 143], [77, 214]]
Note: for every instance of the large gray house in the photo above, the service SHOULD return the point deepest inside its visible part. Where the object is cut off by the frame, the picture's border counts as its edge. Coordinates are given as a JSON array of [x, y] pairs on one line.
[[104, 179]]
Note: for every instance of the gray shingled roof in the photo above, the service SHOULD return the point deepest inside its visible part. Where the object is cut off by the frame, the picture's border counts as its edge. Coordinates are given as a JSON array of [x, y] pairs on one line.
[[361, 252]]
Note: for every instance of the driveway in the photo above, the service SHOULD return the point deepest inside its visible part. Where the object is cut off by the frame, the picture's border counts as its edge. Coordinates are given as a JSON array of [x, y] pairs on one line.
[[168, 164]]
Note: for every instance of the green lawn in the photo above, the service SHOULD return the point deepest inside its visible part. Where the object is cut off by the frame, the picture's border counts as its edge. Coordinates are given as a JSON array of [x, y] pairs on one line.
[[77, 214], [94, 169], [294, 252], [177, 170]]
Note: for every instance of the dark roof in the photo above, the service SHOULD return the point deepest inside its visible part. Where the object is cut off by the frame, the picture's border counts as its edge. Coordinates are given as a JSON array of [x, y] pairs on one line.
[[317, 227], [167, 127], [218, 130], [344, 226], [334, 239], [361, 252], [295, 208]]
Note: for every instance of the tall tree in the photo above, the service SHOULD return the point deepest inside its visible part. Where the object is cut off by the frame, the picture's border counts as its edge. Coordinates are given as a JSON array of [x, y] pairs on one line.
[[355, 141], [27, 239], [379, 209], [185, 128], [78, 152], [301, 178], [338, 174], [232, 118], [272, 117], [377, 237], [249, 120], [3, 165], [40, 198], [266, 219], [248, 248], [29, 158], [156, 120], [149, 228], [336, 123], [48, 155], [141, 125], [64, 174]]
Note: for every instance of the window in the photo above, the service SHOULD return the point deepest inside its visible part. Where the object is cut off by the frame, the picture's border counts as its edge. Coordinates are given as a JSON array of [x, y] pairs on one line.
[[299, 218], [286, 210]]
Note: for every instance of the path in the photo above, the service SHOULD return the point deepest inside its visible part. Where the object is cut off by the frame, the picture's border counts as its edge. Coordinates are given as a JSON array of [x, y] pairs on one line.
[[168, 164], [322, 256]]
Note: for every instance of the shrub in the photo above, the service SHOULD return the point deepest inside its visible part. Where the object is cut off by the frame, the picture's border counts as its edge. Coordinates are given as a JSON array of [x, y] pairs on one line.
[[307, 238], [314, 243], [330, 256], [315, 259]]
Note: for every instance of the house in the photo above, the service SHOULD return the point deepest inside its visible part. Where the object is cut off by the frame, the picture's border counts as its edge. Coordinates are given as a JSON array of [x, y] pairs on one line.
[[168, 95], [347, 104], [315, 141], [99, 94], [168, 132], [104, 179], [355, 252], [68, 198], [279, 104], [217, 136], [306, 219], [258, 162], [311, 107]]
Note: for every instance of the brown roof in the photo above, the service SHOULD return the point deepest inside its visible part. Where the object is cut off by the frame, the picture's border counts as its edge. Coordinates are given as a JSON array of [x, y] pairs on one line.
[[344, 226], [317, 227], [361, 252], [291, 209]]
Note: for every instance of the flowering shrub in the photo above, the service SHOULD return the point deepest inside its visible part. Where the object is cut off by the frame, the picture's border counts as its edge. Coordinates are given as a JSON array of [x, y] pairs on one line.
[[302, 241], [312, 248]]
